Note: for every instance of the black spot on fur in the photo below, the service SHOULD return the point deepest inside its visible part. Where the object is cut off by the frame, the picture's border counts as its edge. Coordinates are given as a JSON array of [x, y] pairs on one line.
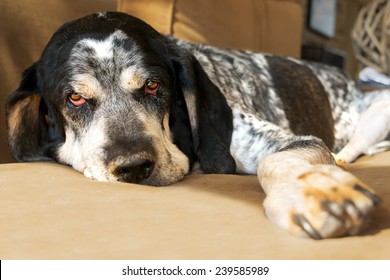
[[304, 99]]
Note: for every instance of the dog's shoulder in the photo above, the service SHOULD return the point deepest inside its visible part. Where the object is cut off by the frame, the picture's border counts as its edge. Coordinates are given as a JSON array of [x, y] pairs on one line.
[[285, 91]]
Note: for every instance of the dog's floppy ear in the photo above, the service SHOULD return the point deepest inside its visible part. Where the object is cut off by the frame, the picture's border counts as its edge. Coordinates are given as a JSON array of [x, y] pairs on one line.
[[209, 116], [27, 116]]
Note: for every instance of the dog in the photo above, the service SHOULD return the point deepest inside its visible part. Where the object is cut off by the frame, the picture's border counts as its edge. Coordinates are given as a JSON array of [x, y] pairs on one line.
[[118, 101]]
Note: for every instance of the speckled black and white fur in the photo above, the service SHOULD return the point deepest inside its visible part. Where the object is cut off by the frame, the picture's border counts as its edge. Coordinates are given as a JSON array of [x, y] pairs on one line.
[[118, 101], [281, 97]]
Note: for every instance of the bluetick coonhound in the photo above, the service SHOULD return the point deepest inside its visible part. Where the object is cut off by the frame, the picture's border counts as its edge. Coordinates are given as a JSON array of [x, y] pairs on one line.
[[118, 101]]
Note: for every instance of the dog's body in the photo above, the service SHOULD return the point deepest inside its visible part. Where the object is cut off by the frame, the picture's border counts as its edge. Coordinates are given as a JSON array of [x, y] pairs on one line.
[[118, 101], [298, 97]]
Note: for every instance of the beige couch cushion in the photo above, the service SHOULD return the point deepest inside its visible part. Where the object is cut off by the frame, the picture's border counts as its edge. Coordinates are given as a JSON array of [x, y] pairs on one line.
[[272, 26], [49, 211]]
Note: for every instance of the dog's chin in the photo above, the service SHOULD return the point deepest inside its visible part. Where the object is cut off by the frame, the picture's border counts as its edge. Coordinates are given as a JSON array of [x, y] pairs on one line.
[[157, 178], [160, 182], [153, 181]]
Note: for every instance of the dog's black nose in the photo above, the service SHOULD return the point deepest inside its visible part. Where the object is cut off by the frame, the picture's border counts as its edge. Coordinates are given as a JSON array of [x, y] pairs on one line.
[[134, 171]]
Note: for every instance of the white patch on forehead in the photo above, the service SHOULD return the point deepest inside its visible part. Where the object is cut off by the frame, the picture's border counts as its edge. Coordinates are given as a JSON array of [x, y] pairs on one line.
[[104, 49]]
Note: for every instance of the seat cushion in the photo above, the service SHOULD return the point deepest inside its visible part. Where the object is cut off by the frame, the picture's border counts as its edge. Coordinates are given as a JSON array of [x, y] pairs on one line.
[[50, 211]]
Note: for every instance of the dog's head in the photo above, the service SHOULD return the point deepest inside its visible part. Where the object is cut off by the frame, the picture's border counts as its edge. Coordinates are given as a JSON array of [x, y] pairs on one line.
[[116, 100]]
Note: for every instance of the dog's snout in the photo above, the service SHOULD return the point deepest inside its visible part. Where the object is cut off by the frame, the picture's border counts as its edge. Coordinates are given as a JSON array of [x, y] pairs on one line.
[[134, 171]]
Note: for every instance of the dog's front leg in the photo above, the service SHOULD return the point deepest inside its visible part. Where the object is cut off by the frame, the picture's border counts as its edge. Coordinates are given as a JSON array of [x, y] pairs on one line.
[[309, 195]]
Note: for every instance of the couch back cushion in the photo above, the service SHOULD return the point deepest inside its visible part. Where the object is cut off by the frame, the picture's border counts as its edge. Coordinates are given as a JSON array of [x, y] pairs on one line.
[[272, 26]]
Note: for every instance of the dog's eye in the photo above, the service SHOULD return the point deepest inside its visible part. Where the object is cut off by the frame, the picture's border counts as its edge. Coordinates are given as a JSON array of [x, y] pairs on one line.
[[151, 87], [76, 99]]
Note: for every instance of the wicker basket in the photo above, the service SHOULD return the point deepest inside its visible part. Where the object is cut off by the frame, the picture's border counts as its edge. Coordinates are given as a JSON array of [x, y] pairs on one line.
[[371, 36]]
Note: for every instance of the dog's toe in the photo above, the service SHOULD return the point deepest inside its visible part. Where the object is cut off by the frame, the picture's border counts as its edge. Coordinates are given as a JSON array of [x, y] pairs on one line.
[[333, 203], [305, 225]]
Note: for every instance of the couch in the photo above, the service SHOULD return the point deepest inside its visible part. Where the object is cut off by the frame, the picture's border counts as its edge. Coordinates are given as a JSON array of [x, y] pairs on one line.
[[50, 211]]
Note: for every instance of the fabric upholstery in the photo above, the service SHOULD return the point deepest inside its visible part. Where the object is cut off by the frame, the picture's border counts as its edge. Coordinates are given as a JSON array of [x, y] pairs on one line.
[[222, 23], [49, 211]]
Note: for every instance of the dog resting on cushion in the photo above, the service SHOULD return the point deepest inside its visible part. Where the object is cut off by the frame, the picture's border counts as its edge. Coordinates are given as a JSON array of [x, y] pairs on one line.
[[118, 101]]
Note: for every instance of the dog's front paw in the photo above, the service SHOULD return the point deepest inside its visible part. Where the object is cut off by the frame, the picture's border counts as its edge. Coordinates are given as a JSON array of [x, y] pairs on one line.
[[324, 202]]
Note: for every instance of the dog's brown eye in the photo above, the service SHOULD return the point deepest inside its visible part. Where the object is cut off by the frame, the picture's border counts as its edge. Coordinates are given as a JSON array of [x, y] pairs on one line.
[[76, 99], [151, 87]]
